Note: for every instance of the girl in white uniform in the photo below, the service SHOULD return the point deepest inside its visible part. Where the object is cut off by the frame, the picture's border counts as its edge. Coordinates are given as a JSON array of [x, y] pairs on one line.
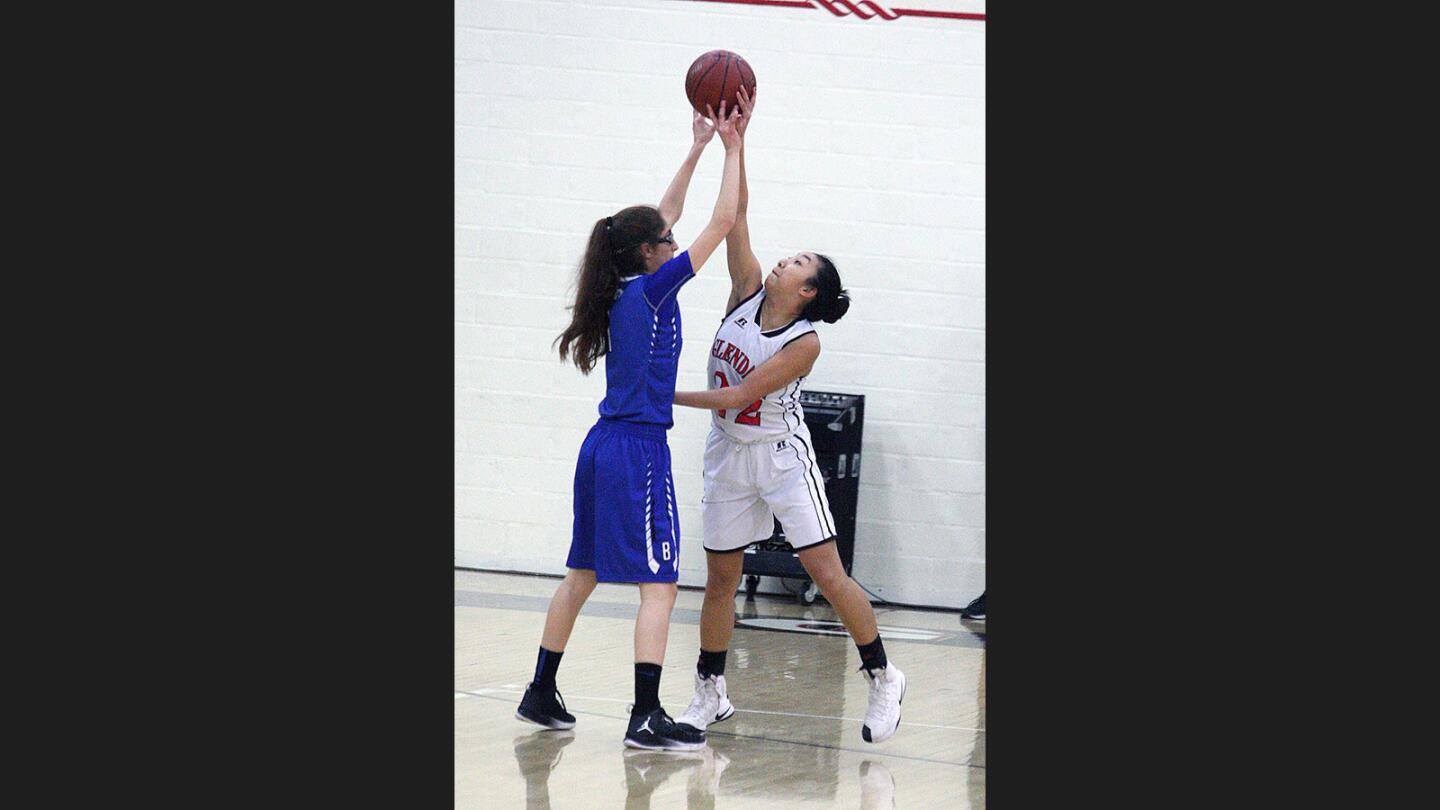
[[759, 457], [760, 461]]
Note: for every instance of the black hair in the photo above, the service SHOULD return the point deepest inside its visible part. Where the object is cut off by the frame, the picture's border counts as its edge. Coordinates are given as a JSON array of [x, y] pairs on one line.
[[831, 301], [612, 252]]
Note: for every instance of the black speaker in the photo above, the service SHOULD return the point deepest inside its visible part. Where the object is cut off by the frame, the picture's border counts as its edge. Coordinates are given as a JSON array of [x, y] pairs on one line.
[[836, 422]]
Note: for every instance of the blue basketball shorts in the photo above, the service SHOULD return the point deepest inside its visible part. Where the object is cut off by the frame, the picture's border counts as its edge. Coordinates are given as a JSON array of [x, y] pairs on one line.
[[626, 528]]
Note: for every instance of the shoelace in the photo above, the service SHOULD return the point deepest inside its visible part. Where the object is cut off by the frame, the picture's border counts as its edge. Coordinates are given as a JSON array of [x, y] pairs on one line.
[[878, 684]]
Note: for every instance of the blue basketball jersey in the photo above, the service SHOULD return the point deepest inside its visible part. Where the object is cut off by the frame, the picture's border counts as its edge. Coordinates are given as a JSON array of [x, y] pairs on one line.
[[645, 346]]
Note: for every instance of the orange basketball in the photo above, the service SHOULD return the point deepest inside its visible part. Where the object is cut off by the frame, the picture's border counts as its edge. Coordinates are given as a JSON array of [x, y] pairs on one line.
[[715, 77]]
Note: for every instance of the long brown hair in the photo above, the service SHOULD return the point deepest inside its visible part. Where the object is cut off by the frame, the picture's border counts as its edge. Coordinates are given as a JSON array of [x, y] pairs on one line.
[[613, 252]]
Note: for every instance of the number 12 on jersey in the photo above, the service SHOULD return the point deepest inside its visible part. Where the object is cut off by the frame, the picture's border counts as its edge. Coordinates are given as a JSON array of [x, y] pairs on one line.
[[750, 415]]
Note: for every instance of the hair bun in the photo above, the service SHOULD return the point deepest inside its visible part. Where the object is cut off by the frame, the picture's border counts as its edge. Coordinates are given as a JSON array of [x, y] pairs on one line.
[[838, 309]]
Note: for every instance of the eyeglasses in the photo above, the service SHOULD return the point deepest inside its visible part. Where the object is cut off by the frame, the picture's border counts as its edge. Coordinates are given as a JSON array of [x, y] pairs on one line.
[[669, 237]]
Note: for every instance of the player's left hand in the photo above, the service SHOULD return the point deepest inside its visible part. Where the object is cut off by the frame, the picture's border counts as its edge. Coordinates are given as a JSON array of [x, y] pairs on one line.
[[747, 109], [725, 124]]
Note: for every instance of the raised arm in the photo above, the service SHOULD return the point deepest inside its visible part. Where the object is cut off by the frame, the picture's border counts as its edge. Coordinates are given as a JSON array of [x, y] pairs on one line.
[[788, 365], [744, 267], [723, 219], [673, 203]]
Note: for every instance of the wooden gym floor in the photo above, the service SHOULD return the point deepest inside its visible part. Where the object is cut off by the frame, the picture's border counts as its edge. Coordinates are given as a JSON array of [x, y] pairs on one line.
[[793, 742]]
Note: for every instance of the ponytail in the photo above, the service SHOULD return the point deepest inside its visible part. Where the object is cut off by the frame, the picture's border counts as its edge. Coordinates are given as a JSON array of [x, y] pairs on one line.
[[831, 301], [612, 252]]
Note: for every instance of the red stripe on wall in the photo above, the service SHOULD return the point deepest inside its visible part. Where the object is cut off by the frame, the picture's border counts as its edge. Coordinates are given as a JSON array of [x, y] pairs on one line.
[[899, 12], [788, 3], [920, 12]]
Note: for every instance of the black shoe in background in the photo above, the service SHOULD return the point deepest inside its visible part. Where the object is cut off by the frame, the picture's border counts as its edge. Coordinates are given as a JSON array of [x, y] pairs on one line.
[[976, 609], [544, 708]]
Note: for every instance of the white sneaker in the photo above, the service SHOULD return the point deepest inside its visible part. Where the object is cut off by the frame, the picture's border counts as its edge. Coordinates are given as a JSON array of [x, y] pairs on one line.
[[887, 690], [710, 704]]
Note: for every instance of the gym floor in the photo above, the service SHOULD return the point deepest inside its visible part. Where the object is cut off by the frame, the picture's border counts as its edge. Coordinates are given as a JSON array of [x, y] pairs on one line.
[[793, 677]]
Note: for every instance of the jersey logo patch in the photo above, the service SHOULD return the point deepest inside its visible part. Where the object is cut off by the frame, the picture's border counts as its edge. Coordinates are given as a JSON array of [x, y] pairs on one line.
[[739, 321]]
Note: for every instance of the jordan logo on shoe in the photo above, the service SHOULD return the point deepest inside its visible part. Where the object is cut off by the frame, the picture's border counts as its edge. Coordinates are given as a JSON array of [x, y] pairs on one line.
[[645, 726]]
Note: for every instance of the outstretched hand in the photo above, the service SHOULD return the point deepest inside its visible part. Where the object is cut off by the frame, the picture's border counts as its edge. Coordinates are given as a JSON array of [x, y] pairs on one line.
[[702, 128], [747, 109], [726, 126]]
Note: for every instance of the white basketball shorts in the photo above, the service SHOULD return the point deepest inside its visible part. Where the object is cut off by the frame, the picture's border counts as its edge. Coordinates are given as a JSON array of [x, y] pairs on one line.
[[745, 484]]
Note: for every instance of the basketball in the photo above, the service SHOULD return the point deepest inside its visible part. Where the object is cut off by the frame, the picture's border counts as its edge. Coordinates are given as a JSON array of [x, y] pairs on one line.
[[715, 77]]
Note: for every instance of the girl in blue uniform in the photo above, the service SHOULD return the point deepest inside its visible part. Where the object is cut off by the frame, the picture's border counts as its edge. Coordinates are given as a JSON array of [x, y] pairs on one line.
[[626, 529]]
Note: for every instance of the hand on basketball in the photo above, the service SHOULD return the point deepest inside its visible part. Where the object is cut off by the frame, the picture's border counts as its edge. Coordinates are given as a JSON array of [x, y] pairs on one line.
[[725, 125], [747, 109], [704, 130]]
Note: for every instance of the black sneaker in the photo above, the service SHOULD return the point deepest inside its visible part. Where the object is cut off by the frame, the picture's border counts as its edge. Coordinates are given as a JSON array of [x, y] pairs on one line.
[[976, 609], [655, 731], [544, 708]]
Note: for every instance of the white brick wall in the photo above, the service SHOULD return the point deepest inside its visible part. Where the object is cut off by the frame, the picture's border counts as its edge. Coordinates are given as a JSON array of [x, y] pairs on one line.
[[868, 146]]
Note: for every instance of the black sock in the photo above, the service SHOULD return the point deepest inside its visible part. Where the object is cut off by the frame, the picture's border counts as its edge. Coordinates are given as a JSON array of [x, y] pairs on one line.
[[872, 655], [711, 663], [547, 663], [647, 688]]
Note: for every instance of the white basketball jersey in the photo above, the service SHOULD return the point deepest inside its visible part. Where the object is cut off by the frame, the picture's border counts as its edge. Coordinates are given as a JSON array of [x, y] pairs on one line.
[[740, 348]]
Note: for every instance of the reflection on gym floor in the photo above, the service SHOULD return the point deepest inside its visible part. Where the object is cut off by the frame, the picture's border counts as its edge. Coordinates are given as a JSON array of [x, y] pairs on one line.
[[794, 740]]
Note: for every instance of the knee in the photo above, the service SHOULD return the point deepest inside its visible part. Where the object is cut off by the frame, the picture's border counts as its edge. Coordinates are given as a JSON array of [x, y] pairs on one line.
[[659, 594], [827, 577], [721, 584], [580, 582]]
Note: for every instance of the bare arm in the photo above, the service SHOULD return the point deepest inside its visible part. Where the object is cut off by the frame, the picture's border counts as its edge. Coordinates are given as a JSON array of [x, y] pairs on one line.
[[673, 203], [788, 365], [744, 267], [723, 219]]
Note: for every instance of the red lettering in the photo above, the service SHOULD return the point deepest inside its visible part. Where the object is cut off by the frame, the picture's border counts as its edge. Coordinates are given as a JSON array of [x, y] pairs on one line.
[[732, 355]]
